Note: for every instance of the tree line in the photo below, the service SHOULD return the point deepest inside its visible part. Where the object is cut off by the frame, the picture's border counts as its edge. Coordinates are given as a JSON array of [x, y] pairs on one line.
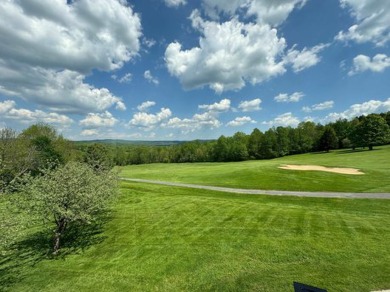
[[40, 145], [364, 131]]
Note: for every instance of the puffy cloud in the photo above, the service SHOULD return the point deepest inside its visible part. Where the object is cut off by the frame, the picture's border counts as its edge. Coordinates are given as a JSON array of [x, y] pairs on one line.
[[222, 106], [250, 105], [372, 21], [285, 120], [240, 121], [319, 107], [6, 106], [304, 59], [229, 55], [175, 3], [8, 110], [125, 78], [89, 132], [48, 47], [363, 63], [63, 91], [96, 120], [145, 105], [79, 35], [208, 119], [198, 121], [150, 121], [232, 53], [149, 77], [266, 11], [372, 106], [284, 97]]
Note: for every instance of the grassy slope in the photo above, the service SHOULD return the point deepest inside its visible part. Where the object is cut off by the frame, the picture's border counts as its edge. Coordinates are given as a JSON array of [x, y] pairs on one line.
[[264, 174], [173, 239]]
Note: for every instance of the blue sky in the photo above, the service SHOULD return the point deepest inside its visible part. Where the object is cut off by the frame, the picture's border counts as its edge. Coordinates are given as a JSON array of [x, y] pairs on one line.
[[183, 70]]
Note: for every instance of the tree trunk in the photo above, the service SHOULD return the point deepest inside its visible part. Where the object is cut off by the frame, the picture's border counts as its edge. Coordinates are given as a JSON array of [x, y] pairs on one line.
[[370, 147], [61, 226]]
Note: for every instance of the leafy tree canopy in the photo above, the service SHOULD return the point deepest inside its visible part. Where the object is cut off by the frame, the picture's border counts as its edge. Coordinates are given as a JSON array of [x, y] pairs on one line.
[[70, 193]]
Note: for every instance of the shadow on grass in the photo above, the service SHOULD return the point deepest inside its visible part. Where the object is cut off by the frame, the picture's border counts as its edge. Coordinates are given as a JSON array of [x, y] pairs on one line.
[[345, 151], [349, 151], [37, 247]]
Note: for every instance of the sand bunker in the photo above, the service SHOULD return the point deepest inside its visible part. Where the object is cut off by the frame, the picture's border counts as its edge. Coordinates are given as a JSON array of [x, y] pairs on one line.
[[353, 171]]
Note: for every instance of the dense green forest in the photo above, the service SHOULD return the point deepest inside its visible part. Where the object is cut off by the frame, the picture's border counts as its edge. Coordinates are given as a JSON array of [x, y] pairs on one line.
[[40, 146], [364, 131]]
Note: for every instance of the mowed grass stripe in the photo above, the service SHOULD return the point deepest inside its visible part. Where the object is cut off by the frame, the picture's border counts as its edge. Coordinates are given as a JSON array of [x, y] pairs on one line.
[[177, 239]]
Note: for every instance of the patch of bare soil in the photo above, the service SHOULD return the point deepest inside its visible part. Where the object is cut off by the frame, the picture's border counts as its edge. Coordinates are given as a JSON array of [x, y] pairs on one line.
[[352, 171]]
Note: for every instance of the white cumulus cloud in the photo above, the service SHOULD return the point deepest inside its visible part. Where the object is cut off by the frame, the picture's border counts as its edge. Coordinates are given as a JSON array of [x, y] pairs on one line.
[[98, 120], [148, 121], [89, 132], [150, 78], [198, 121], [175, 3], [8, 110], [145, 105], [372, 21], [49, 46], [6, 106], [319, 106], [222, 106], [284, 97], [232, 53], [284, 120], [266, 11], [304, 59], [359, 109], [240, 121], [63, 91], [250, 105], [362, 63], [126, 78], [228, 56]]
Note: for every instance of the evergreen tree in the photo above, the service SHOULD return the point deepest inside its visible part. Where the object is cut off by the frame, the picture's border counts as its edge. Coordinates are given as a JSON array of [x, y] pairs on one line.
[[328, 139]]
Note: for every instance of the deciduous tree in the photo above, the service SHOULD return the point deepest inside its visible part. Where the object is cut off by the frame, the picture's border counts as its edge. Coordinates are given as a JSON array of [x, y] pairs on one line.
[[70, 193], [372, 130]]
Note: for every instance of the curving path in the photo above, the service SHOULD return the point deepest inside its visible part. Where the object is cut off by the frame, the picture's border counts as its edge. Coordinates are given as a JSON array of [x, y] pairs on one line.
[[267, 192]]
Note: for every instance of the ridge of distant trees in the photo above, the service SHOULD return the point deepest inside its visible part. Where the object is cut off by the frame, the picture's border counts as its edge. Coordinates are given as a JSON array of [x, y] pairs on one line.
[[363, 131], [40, 145]]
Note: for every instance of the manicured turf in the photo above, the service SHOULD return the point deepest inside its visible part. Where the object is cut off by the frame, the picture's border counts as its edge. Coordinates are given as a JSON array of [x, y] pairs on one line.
[[172, 239], [265, 174]]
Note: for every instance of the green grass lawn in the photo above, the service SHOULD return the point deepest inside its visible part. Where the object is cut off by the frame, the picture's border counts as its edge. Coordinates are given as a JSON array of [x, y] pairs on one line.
[[161, 238], [265, 174]]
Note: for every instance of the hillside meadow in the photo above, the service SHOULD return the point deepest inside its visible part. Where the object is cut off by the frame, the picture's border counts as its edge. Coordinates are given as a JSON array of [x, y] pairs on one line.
[[160, 238], [265, 174]]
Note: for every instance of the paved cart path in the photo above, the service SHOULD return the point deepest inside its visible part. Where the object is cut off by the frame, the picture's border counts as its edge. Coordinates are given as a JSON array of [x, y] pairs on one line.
[[266, 192]]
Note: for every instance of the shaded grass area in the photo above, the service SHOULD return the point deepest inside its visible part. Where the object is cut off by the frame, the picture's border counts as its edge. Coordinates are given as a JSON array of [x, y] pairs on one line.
[[265, 174], [174, 239]]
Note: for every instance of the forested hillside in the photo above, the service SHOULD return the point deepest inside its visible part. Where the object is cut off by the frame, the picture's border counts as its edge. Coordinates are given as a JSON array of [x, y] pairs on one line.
[[364, 131]]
